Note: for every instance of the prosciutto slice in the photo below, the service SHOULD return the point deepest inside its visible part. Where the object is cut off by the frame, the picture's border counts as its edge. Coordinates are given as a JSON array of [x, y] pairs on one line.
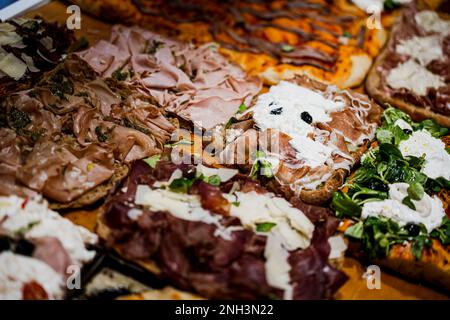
[[196, 83]]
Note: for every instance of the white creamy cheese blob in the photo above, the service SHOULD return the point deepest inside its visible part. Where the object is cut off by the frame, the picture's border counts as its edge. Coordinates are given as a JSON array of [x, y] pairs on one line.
[[402, 124], [406, 75], [437, 159], [17, 270], [34, 220], [281, 109], [429, 210], [431, 22], [423, 49], [180, 205]]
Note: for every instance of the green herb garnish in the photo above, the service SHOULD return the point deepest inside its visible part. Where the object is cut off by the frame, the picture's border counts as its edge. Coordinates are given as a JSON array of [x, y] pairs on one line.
[[265, 226], [153, 160]]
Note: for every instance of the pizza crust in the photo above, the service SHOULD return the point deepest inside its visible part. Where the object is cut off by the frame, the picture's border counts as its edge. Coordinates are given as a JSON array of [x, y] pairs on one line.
[[373, 87]]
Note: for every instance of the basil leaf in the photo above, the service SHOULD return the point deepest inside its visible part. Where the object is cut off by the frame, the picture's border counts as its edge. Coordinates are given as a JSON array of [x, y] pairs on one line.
[[153, 160], [265, 226], [236, 203]]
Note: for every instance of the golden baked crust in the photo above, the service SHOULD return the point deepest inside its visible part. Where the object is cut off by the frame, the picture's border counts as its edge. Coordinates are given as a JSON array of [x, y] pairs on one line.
[[339, 30]]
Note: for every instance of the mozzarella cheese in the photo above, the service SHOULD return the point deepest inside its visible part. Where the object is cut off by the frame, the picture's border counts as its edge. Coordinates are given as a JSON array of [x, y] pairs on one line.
[[423, 49], [431, 22], [429, 210], [33, 219], [437, 159], [281, 109], [406, 75], [17, 270]]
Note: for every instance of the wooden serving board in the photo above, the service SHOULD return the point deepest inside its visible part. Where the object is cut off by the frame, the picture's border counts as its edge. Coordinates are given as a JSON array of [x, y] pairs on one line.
[[392, 287]]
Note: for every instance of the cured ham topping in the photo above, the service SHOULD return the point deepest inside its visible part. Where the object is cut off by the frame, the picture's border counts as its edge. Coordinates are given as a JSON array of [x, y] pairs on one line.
[[196, 83], [416, 67], [71, 132], [306, 131], [199, 241]]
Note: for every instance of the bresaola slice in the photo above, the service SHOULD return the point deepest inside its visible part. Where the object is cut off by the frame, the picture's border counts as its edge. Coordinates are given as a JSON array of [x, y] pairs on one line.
[[196, 83], [209, 242]]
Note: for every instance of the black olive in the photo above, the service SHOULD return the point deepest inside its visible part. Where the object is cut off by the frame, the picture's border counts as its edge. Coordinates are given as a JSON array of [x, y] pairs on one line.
[[375, 185], [413, 229], [277, 111], [5, 244], [407, 131], [24, 247], [306, 117], [190, 172]]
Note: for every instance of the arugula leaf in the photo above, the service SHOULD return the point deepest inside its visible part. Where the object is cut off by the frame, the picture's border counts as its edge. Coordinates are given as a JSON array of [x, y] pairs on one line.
[[153, 160], [391, 115], [399, 135], [415, 191], [214, 180], [355, 231], [384, 136], [443, 232], [265, 226], [261, 166], [181, 185], [418, 244], [345, 206], [432, 127], [407, 202]]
